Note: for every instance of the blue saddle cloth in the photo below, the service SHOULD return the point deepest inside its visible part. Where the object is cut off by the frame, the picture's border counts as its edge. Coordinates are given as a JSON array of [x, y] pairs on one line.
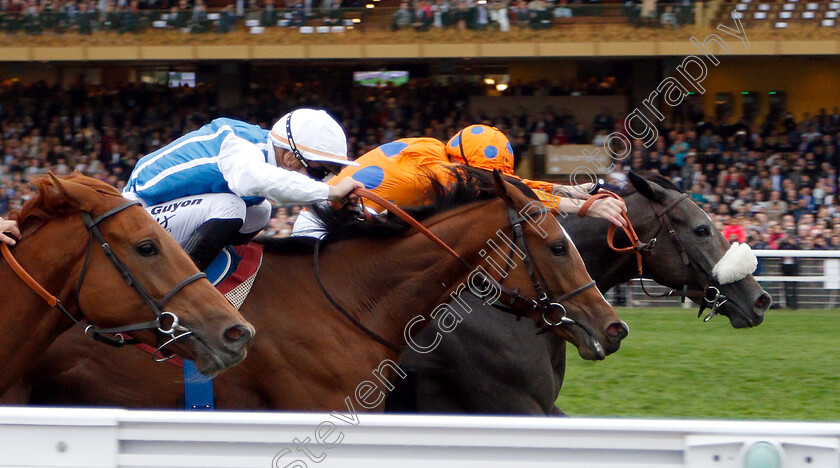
[[198, 389]]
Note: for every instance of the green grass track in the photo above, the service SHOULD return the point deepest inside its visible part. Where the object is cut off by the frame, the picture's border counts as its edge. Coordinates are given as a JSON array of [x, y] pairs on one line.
[[672, 365]]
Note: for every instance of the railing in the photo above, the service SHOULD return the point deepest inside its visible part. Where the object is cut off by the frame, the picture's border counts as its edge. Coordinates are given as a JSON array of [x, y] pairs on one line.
[[102, 438], [814, 284], [781, 14], [478, 17]]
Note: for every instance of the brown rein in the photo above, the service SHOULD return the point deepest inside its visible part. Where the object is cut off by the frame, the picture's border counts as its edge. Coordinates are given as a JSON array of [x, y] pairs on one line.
[[27, 278], [638, 246], [396, 210]]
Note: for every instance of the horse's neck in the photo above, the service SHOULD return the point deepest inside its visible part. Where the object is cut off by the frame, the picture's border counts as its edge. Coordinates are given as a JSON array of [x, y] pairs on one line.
[[383, 283], [27, 323], [27, 327], [609, 268], [397, 280]]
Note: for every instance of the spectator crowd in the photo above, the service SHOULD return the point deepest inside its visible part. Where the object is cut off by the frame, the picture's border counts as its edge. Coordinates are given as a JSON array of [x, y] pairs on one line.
[[221, 16], [90, 16], [774, 186], [536, 14]]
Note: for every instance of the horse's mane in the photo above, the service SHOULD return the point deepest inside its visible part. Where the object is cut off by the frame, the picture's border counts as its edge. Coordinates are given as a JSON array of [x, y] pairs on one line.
[[288, 245], [50, 203], [467, 185], [658, 179]]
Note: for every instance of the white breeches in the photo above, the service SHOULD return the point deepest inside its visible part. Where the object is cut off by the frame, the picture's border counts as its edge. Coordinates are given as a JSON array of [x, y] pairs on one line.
[[181, 216]]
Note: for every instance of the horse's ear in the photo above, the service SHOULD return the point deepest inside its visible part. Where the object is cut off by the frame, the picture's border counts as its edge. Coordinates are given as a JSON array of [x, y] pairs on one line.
[[648, 189], [80, 196], [502, 187]]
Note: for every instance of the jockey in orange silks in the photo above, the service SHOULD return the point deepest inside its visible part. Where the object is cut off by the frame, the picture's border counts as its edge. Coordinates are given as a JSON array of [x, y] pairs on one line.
[[486, 147], [400, 171]]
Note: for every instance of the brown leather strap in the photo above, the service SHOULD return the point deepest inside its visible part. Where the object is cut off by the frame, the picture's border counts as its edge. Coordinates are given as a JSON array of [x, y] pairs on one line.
[[589, 201], [637, 244], [391, 207], [26, 278]]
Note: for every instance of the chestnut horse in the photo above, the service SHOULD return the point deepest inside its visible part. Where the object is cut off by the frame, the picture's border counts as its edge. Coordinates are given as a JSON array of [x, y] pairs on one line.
[[309, 357], [108, 262], [463, 376]]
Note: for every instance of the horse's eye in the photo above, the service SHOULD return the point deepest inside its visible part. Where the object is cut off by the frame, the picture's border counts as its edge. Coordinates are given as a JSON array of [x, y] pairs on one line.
[[559, 249], [147, 248], [702, 231]]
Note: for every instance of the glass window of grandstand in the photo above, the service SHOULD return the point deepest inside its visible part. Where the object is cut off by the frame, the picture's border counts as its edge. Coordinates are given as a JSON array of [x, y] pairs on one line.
[[777, 103], [723, 106], [172, 79], [690, 109], [750, 104]]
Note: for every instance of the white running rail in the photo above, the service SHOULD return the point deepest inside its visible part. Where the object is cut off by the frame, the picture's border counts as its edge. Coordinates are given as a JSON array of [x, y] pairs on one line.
[[815, 284], [94, 438]]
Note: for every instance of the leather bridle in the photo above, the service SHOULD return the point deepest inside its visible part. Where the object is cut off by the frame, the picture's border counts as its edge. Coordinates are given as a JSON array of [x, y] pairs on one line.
[[510, 300], [712, 297], [175, 331], [516, 303]]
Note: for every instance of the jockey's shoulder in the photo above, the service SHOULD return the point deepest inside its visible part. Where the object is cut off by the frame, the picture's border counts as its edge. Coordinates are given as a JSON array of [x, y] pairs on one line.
[[237, 126], [407, 151]]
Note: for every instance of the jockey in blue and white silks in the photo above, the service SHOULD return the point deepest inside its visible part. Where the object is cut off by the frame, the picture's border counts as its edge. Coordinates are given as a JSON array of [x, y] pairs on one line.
[[209, 187]]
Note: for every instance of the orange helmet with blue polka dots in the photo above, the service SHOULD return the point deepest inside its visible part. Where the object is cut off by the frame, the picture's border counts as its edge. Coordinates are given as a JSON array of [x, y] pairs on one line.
[[483, 147]]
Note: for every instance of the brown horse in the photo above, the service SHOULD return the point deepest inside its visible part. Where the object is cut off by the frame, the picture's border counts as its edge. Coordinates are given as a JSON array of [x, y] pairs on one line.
[[62, 229], [308, 357]]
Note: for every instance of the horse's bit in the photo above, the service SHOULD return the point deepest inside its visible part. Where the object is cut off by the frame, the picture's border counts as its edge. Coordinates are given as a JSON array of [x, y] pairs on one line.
[[175, 331]]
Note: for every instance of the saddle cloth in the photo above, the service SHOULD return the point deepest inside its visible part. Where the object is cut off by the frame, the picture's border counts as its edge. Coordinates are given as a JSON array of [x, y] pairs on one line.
[[237, 284]]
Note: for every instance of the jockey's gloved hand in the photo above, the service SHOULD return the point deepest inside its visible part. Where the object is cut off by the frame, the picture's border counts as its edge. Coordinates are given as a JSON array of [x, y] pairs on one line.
[[8, 231], [609, 209], [343, 188]]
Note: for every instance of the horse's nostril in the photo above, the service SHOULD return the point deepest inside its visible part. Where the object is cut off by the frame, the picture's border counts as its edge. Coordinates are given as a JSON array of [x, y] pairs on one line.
[[762, 303], [233, 334], [617, 330], [237, 335]]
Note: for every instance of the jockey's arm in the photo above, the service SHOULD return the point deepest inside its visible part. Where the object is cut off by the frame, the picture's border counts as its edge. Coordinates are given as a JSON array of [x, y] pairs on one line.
[[579, 191], [570, 199], [247, 173]]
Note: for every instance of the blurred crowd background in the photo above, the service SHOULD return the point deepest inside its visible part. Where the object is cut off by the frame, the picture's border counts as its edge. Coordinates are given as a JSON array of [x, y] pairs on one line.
[[222, 16], [772, 185]]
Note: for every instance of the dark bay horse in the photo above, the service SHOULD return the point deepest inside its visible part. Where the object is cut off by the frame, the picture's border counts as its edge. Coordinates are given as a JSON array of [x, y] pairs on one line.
[[62, 230], [465, 374], [307, 356]]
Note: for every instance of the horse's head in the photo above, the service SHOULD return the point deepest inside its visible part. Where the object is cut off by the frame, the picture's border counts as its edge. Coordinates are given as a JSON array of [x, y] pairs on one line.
[[134, 273], [552, 271], [702, 266]]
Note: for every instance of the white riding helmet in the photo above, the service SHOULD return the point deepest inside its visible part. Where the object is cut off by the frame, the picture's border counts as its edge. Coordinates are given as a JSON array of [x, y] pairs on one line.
[[313, 135]]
